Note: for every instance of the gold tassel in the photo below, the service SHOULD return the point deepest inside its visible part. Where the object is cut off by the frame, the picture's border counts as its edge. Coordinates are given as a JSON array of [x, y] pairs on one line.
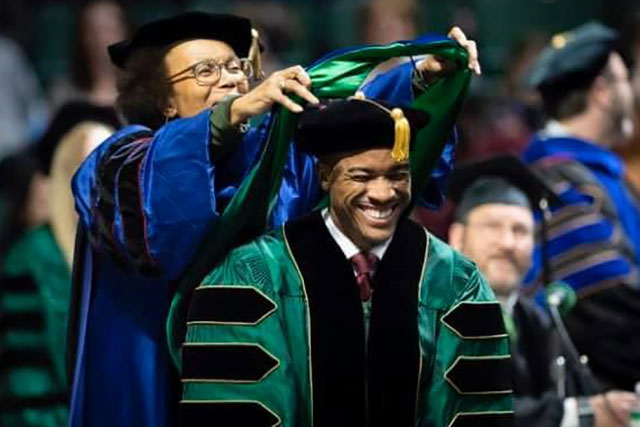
[[400, 151], [254, 55]]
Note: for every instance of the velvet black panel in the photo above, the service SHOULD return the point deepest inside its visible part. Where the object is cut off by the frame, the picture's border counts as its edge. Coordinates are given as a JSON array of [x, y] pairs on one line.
[[8, 404], [32, 320], [534, 351], [483, 420], [473, 320], [130, 204], [226, 414], [482, 375], [229, 304], [604, 326], [19, 284], [226, 362], [394, 348], [36, 357], [337, 328], [101, 234]]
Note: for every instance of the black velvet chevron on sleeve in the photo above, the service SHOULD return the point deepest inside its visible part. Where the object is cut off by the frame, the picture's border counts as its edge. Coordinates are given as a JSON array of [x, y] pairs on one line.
[[472, 320], [242, 363], [237, 305], [118, 174], [18, 284], [226, 414], [31, 320], [480, 375], [483, 419]]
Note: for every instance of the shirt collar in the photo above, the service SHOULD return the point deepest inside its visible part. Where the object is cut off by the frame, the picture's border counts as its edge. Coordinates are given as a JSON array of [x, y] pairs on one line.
[[346, 245], [554, 129], [509, 302]]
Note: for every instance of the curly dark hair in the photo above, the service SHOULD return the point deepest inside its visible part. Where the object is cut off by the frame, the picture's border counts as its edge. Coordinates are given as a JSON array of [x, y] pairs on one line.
[[143, 90]]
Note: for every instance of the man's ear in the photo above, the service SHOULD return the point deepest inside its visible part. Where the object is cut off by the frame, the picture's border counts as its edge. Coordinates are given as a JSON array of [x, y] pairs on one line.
[[456, 235], [600, 92], [325, 174]]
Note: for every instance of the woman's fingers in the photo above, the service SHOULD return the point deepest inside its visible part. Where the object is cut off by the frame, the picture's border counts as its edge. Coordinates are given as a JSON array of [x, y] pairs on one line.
[[294, 86], [472, 49]]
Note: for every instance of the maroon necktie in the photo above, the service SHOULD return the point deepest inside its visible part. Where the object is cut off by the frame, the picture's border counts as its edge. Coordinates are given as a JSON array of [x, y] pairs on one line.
[[365, 264]]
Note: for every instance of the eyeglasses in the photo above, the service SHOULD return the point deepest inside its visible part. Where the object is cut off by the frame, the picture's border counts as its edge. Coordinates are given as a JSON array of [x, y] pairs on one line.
[[208, 71], [491, 230]]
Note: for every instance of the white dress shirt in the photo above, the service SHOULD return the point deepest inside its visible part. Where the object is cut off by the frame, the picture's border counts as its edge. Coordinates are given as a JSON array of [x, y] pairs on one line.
[[346, 245]]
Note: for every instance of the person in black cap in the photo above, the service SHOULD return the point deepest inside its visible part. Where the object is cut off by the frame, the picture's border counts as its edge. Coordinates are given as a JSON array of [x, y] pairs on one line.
[[363, 317], [595, 237], [494, 226], [147, 196]]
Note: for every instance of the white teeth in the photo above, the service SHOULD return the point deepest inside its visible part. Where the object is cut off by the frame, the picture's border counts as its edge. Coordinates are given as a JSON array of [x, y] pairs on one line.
[[377, 213]]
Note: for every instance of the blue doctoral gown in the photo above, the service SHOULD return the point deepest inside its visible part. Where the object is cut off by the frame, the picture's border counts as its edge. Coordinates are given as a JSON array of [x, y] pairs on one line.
[[594, 246], [142, 237], [596, 228]]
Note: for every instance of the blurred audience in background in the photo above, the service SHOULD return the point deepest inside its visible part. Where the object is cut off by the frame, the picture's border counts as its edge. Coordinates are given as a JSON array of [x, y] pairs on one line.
[[279, 29], [630, 151], [24, 112], [35, 280], [24, 197], [386, 21], [92, 76]]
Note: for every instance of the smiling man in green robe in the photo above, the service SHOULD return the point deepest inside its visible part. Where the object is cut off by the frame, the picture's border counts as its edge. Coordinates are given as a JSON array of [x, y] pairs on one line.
[[353, 315]]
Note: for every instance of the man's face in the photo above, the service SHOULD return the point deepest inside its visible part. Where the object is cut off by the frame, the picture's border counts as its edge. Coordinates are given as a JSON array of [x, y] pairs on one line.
[[621, 111], [189, 96], [368, 193], [499, 238]]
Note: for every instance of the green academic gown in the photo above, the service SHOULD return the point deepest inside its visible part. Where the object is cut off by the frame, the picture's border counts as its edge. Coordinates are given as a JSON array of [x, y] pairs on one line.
[[275, 336], [34, 301]]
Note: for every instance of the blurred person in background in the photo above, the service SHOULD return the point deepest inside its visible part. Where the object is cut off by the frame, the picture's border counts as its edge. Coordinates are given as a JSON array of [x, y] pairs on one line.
[[148, 195], [279, 28], [24, 197], [24, 112], [594, 236], [494, 226], [92, 76], [386, 21], [25, 176], [630, 152], [35, 288]]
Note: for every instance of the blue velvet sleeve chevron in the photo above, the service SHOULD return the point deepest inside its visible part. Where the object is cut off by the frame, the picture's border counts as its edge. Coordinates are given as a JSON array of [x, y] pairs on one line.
[[587, 245]]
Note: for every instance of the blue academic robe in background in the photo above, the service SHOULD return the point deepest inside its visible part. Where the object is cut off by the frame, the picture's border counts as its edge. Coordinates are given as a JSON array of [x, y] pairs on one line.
[[558, 159], [594, 246]]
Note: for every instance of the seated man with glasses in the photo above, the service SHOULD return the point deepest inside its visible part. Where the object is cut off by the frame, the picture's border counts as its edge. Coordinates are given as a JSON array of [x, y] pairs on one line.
[[147, 196], [494, 226]]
